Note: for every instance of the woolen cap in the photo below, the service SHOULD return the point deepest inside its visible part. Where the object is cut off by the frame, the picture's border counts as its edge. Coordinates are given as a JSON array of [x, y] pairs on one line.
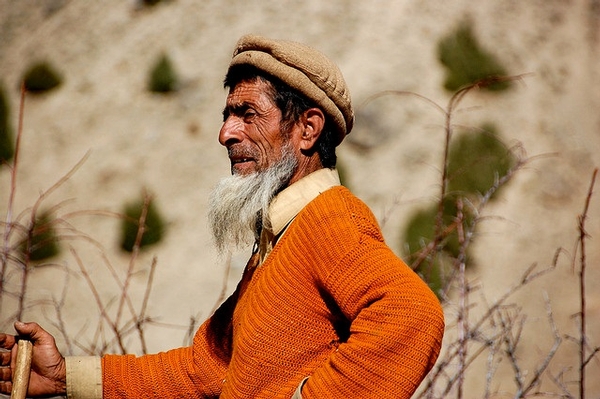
[[304, 69]]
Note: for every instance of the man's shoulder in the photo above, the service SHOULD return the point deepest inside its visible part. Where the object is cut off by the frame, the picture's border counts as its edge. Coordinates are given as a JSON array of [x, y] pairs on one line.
[[338, 205], [339, 198], [334, 224]]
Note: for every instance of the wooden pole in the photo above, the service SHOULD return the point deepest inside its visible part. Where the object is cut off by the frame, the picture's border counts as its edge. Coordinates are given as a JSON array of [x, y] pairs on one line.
[[22, 369]]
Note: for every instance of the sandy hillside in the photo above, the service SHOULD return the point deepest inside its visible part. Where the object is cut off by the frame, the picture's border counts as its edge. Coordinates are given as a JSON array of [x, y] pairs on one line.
[[132, 141]]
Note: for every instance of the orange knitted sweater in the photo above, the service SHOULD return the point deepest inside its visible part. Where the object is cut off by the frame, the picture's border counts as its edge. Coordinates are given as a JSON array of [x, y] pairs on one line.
[[331, 303]]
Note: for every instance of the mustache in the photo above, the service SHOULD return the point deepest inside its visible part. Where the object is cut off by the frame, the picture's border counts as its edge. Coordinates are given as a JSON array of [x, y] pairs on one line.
[[241, 151]]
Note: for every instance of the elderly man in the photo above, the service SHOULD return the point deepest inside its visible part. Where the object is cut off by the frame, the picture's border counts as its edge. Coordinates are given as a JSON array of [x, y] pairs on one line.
[[324, 309]]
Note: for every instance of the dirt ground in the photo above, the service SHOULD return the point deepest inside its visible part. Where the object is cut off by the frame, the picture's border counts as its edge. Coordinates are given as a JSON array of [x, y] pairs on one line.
[[131, 140]]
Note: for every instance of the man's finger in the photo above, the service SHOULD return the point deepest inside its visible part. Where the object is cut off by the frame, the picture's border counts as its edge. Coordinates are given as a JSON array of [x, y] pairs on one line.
[[5, 358], [7, 341], [5, 387], [5, 374]]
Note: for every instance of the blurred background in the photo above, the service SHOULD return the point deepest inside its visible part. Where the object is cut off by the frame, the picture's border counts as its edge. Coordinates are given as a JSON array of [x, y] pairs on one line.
[[127, 95]]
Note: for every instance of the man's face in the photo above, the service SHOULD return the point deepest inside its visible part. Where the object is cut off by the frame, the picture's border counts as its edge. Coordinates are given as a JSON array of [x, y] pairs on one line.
[[251, 128]]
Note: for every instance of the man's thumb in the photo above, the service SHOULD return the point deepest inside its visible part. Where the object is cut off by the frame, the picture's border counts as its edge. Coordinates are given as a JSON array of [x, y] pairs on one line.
[[25, 329]]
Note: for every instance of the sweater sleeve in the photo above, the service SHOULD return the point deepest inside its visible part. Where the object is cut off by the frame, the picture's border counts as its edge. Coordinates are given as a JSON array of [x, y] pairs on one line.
[[84, 377], [190, 372], [395, 327]]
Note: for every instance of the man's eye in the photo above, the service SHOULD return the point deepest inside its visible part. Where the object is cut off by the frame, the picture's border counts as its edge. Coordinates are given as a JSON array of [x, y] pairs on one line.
[[249, 115]]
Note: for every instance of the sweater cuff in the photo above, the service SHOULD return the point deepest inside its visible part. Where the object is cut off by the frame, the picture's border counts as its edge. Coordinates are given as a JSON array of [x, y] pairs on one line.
[[298, 393], [84, 377]]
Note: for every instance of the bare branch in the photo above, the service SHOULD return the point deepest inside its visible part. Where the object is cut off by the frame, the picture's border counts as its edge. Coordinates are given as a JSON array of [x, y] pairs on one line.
[[134, 255], [12, 193], [582, 295], [541, 368]]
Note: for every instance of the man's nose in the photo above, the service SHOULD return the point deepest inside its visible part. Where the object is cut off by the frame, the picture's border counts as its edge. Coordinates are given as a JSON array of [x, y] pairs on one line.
[[231, 132]]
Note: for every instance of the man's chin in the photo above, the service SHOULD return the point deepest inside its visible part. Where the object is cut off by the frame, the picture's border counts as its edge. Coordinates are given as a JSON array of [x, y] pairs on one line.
[[243, 169]]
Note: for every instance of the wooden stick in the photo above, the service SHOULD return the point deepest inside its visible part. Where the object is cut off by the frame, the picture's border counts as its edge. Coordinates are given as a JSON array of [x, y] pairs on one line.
[[22, 369]]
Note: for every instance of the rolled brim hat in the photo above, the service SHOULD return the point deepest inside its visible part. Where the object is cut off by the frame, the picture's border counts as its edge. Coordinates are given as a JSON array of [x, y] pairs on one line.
[[304, 69]]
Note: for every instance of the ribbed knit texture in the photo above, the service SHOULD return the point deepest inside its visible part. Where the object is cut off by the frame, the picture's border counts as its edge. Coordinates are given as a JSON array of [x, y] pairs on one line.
[[331, 302]]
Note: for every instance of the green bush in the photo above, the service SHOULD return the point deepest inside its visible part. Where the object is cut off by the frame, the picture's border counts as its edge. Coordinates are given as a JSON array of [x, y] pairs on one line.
[[41, 77], [467, 62], [154, 228], [7, 149], [421, 228], [419, 233], [475, 160], [42, 241], [163, 78]]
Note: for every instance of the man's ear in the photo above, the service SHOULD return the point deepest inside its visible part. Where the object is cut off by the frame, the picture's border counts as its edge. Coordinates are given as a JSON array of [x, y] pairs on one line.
[[312, 123]]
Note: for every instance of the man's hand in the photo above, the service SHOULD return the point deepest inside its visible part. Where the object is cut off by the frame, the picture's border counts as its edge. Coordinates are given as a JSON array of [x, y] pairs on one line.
[[48, 371]]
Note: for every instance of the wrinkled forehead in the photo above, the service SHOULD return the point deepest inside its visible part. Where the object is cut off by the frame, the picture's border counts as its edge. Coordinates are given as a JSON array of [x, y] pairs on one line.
[[247, 75], [253, 92]]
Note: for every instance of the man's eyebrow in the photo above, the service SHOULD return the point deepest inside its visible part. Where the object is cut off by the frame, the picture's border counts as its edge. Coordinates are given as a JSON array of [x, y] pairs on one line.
[[236, 109]]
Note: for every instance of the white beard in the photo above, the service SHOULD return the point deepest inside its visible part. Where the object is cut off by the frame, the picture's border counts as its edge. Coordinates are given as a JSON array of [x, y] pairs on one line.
[[238, 205]]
